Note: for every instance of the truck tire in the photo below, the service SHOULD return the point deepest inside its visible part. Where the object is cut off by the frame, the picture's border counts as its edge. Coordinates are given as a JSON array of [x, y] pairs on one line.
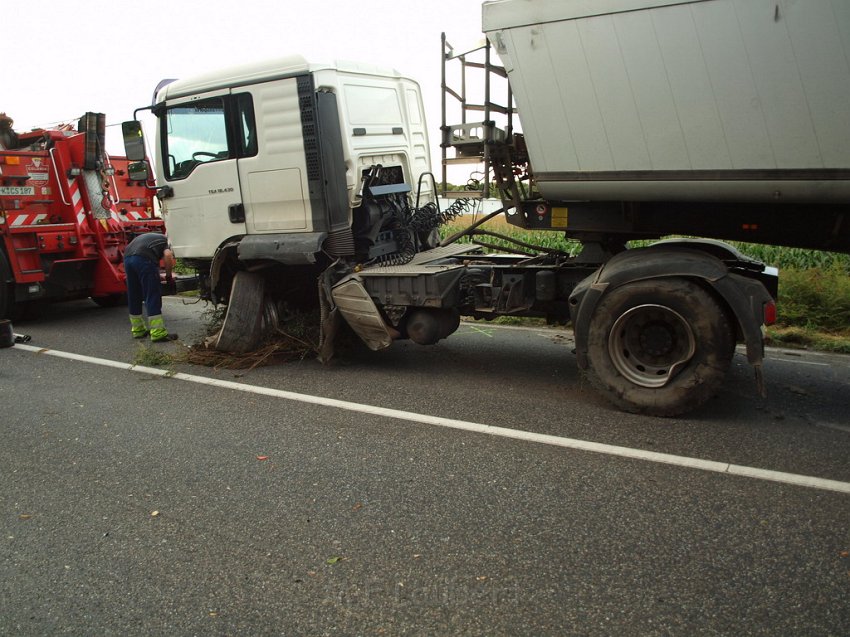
[[241, 329], [7, 290], [659, 347]]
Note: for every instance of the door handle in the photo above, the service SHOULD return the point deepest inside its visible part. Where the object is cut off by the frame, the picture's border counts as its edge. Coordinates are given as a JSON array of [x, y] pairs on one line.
[[236, 212]]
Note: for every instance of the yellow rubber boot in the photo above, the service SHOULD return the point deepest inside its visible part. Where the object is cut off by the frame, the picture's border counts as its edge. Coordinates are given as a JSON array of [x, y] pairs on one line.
[[137, 326], [158, 331]]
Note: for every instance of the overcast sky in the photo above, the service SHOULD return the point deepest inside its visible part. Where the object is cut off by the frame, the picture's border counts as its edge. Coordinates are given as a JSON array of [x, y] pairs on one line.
[[65, 57]]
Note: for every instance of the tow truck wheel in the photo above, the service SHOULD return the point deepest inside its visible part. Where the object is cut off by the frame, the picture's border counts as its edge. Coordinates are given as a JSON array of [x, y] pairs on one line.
[[7, 296], [659, 347], [241, 328]]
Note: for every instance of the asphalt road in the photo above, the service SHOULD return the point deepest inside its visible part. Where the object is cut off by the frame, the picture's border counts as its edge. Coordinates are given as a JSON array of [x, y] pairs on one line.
[[133, 503]]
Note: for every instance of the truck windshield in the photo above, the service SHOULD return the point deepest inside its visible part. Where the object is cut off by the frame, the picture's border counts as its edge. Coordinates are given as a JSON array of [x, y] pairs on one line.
[[194, 133]]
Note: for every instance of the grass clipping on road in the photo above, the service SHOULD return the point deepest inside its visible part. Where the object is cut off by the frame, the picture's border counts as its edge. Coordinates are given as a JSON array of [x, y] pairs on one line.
[[296, 338]]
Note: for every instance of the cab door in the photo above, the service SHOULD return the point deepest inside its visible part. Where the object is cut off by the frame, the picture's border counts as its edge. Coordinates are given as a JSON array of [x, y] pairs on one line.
[[198, 154], [273, 169]]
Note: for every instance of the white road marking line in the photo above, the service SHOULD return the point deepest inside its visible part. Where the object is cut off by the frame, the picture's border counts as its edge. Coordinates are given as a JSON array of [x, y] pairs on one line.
[[488, 332], [831, 425], [527, 436], [796, 361]]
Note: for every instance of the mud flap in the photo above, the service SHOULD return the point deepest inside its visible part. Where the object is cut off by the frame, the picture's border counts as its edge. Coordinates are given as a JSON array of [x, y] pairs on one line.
[[328, 328], [360, 312], [329, 320]]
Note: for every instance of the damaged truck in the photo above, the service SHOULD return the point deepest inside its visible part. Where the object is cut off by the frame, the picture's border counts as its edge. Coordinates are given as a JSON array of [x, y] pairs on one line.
[[295, 182]]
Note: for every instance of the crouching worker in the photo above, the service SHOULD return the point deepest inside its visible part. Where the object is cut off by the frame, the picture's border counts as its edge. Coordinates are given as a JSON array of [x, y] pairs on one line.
[[141, 265]]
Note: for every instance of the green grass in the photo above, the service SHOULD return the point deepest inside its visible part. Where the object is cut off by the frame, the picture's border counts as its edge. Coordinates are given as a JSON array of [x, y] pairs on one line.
[[815, 299], [181, 268], [148, 356], [807, 338]]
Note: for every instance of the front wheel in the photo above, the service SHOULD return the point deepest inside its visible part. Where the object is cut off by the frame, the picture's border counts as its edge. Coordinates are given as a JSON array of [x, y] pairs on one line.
[[659, 347], [241, 329]]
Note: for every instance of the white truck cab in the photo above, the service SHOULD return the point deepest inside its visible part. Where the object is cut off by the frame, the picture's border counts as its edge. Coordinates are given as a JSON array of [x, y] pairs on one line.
[[272, 155]]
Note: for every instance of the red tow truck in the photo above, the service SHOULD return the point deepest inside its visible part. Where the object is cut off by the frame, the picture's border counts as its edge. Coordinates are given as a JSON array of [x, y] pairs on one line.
[[67, 211]]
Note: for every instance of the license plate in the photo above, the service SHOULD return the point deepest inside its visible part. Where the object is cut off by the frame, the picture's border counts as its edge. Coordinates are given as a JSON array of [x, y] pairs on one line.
[[17, 191]]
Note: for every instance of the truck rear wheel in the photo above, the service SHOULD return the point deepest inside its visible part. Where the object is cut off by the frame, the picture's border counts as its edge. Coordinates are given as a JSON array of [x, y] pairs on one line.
[[659, 347], [240, 331]]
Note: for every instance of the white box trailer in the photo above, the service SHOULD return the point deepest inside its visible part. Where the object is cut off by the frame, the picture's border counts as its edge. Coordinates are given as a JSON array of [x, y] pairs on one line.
[[681, 100]]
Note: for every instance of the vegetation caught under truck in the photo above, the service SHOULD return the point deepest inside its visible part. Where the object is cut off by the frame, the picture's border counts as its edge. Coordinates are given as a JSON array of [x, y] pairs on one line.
[[291, 182]]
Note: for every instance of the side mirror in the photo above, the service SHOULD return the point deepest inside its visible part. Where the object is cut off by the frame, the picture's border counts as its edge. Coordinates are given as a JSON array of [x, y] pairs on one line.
[[139, 171], [134, 140]]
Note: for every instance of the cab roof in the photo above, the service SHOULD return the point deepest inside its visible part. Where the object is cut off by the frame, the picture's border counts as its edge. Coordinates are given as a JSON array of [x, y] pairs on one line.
[[263, 71]]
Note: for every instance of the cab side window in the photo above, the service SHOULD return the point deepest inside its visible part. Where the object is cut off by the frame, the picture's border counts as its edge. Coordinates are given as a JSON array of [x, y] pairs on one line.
[[208, 130], [195, 133]]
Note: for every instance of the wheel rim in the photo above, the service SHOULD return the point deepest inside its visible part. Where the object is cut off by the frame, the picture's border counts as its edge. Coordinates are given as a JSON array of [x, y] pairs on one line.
[[649, 344], [270, 319]]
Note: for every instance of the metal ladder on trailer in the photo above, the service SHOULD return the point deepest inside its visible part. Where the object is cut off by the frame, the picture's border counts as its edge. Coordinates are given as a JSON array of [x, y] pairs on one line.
[[472, 139]]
